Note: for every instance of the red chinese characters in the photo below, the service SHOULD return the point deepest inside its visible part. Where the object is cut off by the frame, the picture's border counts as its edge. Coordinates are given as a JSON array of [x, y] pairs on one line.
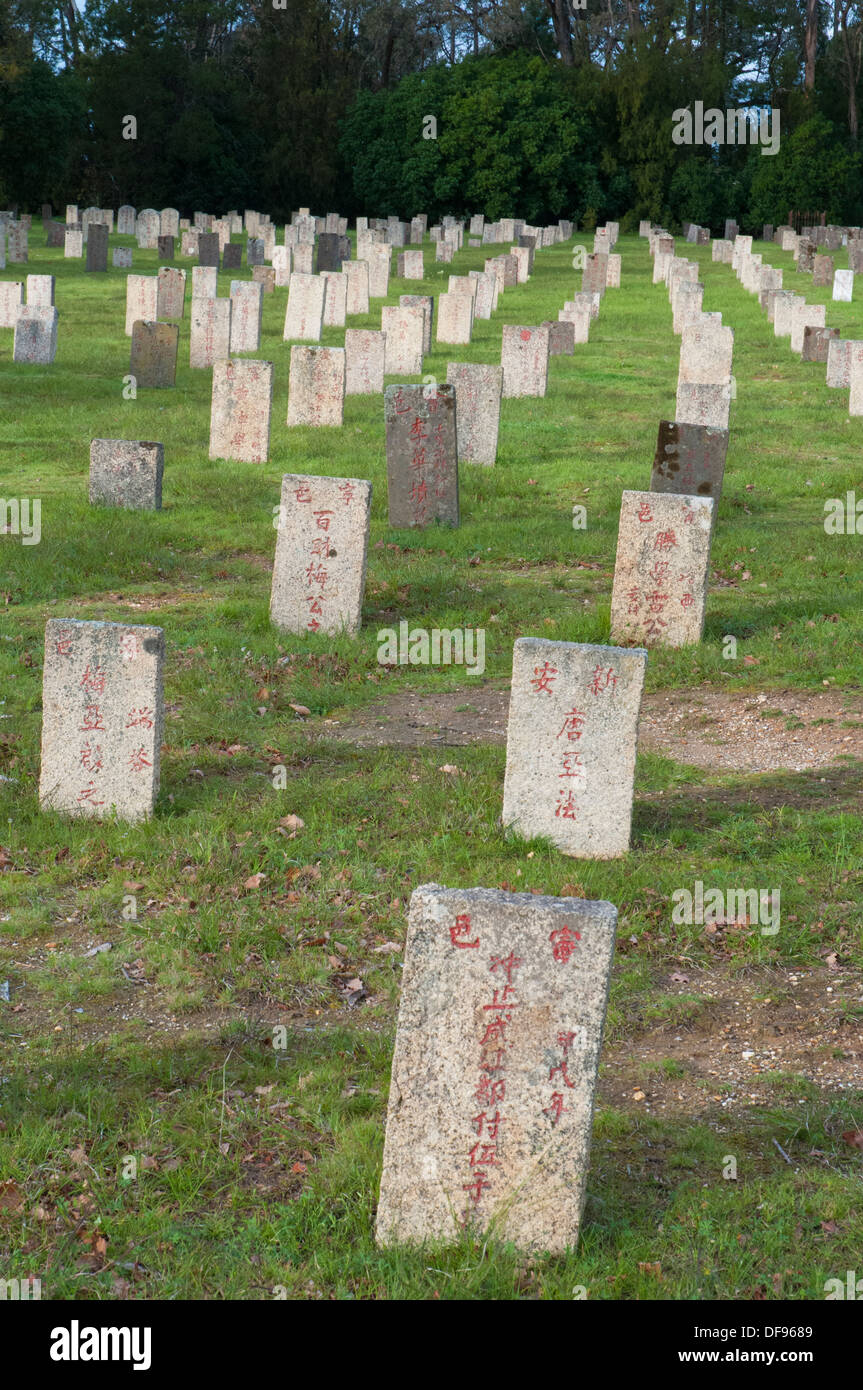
[[490, 1093], [559, 1076]]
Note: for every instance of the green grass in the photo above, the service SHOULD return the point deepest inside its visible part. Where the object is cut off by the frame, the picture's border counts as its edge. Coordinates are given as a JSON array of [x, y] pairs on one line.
[[162, 1048]]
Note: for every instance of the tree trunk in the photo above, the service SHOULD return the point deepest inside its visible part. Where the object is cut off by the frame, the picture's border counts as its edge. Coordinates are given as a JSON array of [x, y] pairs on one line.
[[810, 44], [562, 30]]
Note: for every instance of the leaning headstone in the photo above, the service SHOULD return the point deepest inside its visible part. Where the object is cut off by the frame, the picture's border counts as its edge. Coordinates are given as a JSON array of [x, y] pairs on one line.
[[503, 1002], [571, 742], [422, 466], [661, 569], [364, 361], [335, 298], [524, 358], [210, 332], [142, 300], [153, 361], [126, 473], [171, 294], [404, 329], [102, 718], [304, 316], [316, 388], [319, 572], [240, 411], [478, 391], [689, 459], [35, 340]]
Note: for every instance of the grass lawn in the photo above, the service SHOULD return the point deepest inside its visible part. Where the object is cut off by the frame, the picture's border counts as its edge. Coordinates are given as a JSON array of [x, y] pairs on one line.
[[198, 1112]]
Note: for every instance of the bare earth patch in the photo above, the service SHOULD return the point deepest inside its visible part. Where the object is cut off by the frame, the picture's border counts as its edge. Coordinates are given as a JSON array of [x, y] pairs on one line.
[[720, 730]]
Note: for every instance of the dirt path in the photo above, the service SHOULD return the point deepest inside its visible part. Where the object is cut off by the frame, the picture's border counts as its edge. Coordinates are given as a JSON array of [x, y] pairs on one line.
[[720, 730]]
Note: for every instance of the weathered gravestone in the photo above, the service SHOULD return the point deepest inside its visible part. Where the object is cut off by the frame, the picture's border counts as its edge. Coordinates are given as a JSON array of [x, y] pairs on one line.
[[503, 1002], [165, 248], [153, 361], [822, 271], [701, 403], [126, 220], [11, 302], [365, 350], [855, 379], [422, 465], [240, 411], [316, 388], [661, 569], [805, 316], [246, 307], [126, 473], [232, 256], [335, 298], [404, 330], [358, 286], [410, 265], [319, 572], [839, 352], [443, 251], [843, 285], [208, 248], [40, 291], [478, 391], [454, 318], [142, 300], [35, 340], [102, 718], [304, 316], [524, 358], [689, 459], [571, 742], [561, 337], [205, 282], [121, 257], [171, 293], [706, 350], [594, 277], [378, 259], [17, 246], [210, 332], [97, 248], [254, 251], [816, 343], [55, 235], [426, 303]]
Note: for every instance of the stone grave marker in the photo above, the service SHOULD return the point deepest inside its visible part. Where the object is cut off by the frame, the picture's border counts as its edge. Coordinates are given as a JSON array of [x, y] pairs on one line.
[[822, 271], [97, 247], [705, 353], [454, 318], [358, 286], [816, 343], [524, 358], [478, 389], [205, 282], [305, 312], [126, 473], [153, 361], [102, 718], [40, 291], [426, 303], [265, 276], [404, 330], [843, 285], [503, 1002], [319, 572], [422, 464], [561, 337], [35, 340], [210, 331], [240, 411], [410, 265], [703, 403], [165, 248], [208, 248], [142, 300], [122, 257], [232, 256], [254, 251], [11, 302], [126, 220], [171, 293], [661, 569], [594, 277], [689, 459], [839, 361], [335, 298], [316, 391], [16, 251], [365, 350], [378, 258], [805, 316]]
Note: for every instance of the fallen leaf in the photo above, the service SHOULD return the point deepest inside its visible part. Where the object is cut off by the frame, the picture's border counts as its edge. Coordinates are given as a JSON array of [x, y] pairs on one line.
[[299, 709], [387, 948], [255, 881], [648, 1267], [11, 1196], [292, 822], [854, 1136]]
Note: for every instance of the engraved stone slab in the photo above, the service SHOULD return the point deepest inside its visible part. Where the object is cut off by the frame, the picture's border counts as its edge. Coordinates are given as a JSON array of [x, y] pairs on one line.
[[126, 473], [478, 391], [661, 570], [319, 572], [422, 464], [524, 358], [365, 350], [240, 410]]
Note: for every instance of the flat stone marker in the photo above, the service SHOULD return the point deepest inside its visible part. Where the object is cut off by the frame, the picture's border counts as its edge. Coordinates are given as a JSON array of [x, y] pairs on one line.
[[503, 1003], [661, 570], [571, 742], [97, 247], [689, 459], [839, 361], [126, 473], [11, 302], [319, 572], [335, 298], [142, 300], [478, 391], [843, 285], [240, 410], [422, 465], [246, 307], [171, 293], [316, 389], [102, 718], [816, 342], [365, 354], [210, 332], [358, 286], [524, 358], [404, 330], [40, 291], [35, 341], [153, 361], [304, 316]]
